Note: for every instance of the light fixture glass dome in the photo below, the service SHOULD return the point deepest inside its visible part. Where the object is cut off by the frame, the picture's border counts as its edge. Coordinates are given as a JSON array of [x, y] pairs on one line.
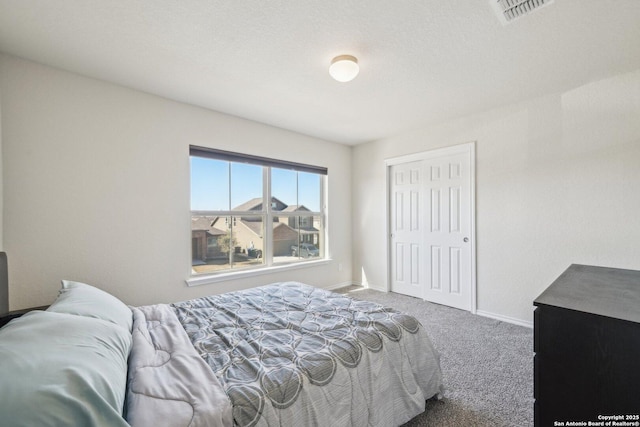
[[344, 68]]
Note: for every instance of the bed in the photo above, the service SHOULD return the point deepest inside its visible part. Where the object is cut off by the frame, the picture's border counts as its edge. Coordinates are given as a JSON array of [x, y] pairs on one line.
[[284, 354]]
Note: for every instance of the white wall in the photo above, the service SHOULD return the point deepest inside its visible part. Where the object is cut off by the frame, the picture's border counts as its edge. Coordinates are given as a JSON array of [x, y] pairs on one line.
[[96, 187], [557, 182]]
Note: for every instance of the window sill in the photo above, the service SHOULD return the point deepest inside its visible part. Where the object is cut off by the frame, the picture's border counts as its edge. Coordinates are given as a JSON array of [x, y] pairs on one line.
[[232, 275]]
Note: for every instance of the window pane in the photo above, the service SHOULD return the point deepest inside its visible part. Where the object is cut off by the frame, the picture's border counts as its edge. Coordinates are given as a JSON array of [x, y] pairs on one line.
[[309, 191], [248, 231], [246, 186], [225, 242], [284, 186], [297, 238], [209, 243], [209, 184], [311, 237]]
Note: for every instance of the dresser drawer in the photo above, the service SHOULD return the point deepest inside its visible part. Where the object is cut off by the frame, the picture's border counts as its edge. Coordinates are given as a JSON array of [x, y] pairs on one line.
[[536, 376], [536, 329]]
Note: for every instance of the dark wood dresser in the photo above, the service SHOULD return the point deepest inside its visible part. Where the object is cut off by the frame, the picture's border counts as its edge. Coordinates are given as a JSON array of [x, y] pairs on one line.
[[587, 345]]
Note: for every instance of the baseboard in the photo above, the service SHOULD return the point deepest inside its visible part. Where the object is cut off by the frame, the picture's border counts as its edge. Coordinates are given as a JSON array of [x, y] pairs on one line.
[[371, 286], [513, 320], [340, 285], [353, 283]]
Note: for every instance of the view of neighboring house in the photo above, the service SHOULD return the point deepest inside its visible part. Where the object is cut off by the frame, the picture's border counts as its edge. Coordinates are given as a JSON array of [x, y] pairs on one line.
[[210, 238], [205, 238], [308, 230]]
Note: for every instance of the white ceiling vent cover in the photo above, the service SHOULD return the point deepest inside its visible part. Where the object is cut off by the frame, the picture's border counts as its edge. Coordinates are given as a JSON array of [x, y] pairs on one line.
[[510, 10]]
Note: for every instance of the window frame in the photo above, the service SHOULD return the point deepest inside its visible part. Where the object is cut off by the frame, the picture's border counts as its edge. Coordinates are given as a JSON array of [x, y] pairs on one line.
[[270, 264]]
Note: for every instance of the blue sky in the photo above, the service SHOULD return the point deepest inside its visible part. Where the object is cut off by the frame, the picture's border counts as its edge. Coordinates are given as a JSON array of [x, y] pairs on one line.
[[210, 185]]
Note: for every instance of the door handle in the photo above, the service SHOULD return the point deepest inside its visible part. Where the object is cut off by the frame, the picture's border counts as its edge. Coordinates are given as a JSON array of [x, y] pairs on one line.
[[466, 239]]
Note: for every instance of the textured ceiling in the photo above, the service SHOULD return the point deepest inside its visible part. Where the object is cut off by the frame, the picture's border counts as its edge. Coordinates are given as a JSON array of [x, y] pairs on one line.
[[421, 61]]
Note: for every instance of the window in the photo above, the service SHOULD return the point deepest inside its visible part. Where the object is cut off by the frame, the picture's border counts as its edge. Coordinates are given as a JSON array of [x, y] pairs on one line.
[[250, 212]]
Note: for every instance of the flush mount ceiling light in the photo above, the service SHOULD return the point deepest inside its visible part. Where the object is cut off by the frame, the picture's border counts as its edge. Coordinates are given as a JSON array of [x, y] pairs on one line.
[[344, 68]]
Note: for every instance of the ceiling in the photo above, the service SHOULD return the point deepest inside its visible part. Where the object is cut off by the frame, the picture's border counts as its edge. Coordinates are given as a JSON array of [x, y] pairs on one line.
[[421, 61]]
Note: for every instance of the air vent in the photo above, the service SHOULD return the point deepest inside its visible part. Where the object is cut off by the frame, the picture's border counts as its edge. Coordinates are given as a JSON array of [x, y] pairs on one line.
[[510, 10]]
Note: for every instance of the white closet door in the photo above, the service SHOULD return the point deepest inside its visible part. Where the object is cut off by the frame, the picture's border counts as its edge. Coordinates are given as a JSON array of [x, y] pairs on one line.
[[407, 222], [431, 226], [448, 232]]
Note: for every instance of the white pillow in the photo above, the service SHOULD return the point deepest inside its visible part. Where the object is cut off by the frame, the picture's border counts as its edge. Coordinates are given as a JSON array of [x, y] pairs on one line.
[[64, 370], [85, 300]]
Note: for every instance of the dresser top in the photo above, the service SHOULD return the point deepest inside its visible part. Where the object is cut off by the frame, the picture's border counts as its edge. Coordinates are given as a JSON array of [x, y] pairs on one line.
[[604, 291]]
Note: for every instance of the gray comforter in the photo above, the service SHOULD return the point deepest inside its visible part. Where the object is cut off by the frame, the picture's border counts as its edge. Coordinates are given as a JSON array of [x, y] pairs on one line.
[[290, 354]]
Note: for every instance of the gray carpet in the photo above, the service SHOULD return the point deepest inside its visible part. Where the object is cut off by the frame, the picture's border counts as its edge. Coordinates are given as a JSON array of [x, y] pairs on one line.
[[487, 364]]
